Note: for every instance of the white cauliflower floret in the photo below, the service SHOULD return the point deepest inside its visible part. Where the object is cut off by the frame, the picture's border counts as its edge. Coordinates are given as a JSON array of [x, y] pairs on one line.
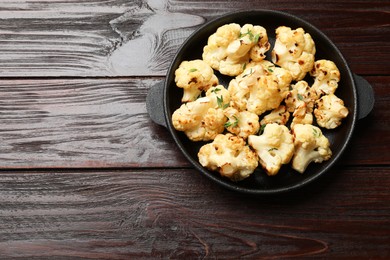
[[283, 76], [326, 77], [299, 100], [279, 116], [329, 111], [219, 96], [294, 51], [310, 146], [256, 90], [231, 47], [203, 119], [274, 147], [194, 77], [257, 53], [230, 156], [242, 123], [306, 119]]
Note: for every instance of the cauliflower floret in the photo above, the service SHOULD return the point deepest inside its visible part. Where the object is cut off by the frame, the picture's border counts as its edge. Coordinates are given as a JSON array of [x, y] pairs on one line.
[[283, 76], [194, 77], [327, 76], [310, 146], [329, 111], [231, 47], [219, 97], [294, 51], [230, 156], [274, 147], [306, 119], [203, 119], [299, 100], [256, 90], [279, 116], [242, 123], [257, 53]]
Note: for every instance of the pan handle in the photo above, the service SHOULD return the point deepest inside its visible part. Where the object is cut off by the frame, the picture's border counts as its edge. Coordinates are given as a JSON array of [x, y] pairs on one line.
[[154, 104], [365, 95]]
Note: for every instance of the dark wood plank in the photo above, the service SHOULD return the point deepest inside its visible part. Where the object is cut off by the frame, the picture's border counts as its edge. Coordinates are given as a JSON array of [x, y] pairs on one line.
[[180, 214], [104, 123], [81, 123], [92, 38]]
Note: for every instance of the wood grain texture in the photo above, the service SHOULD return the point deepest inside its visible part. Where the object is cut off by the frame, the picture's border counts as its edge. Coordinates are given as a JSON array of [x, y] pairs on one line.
[[104, 123], [101, 38], [81, 123], [153, 214]]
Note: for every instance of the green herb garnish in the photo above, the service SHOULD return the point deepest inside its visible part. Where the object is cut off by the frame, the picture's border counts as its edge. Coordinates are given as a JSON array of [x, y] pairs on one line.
[[262, 127], [193, 70], [234, 124], [215, 90], [220, 103], [316, 133], [300, 97]]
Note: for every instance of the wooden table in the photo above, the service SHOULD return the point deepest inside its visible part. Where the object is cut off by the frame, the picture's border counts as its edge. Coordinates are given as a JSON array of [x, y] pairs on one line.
[[85, 173]]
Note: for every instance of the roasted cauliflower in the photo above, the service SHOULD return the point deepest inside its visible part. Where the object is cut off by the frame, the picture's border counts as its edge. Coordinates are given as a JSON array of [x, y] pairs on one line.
[[294, 51], [279, 115], [203, 119], [310, 146], [231, 47], [306, 119], [329, 111], [194, 77], [230, 156], [299, 99], [274, 147], [256, 90], [242, 123], [326, 77]]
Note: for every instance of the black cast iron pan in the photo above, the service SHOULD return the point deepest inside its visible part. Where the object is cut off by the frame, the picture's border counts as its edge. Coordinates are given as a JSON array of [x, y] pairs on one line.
[[165, 97]]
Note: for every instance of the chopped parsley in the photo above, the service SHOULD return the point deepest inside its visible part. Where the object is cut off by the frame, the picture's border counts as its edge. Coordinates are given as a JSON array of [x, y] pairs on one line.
[[252, 37], [220, 103], [300, 97], [262, 127], [215, 90], [316, 133], [234, 124], [193, 70]]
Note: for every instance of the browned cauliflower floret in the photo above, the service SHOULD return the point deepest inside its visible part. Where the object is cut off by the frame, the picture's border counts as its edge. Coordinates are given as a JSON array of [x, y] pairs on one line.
[[310, 146], [299, 99], [257, 53], [203, 119], [327, 76], [274, 147], [306, 119], [279, 116], [256, 90], [294, 51], [242, 123], [231, 47], [329, 111], [230, 156], [194, 77]]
